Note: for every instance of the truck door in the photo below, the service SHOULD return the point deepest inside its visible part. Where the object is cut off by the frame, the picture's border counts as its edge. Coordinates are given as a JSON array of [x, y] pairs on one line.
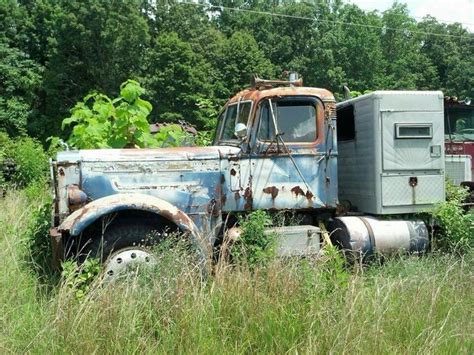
[[235, 167], [288, 174]]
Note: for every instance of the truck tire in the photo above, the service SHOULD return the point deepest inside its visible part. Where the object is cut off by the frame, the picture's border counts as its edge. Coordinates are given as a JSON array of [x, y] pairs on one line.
[[124, 233], [130, 241]]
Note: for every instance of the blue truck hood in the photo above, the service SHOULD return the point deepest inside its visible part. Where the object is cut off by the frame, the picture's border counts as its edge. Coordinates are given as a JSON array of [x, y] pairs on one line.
[[170, 154]]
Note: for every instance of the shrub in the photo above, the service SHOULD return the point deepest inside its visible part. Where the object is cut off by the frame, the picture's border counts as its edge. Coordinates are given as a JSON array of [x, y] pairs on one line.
[[172, 136], [457, 231], [22, 162], [80, 277], [40, 255], [101, 122], [31, 162], [255, 247]]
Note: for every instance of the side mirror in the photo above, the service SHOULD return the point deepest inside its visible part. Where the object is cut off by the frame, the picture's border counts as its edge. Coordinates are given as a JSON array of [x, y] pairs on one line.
[[240, 131]]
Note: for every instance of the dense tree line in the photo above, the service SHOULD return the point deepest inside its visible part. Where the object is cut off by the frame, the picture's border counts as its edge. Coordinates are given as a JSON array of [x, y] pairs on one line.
[[190, 57]]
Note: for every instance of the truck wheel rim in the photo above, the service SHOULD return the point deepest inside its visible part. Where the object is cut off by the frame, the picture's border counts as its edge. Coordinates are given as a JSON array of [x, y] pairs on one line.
[[127, 261]]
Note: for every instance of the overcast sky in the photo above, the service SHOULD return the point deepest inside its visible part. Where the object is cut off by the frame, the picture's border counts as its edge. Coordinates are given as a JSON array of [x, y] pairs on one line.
[[444, 10]]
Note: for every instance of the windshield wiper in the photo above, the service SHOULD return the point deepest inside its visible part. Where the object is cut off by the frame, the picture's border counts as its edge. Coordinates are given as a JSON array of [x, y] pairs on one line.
[[278, 137]]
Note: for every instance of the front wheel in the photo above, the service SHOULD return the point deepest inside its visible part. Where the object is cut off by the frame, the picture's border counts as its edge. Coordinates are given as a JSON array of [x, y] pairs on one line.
[[128, 245]]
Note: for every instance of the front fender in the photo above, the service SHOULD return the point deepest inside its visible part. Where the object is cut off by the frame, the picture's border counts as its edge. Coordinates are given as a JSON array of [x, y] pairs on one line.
[[78, 221]]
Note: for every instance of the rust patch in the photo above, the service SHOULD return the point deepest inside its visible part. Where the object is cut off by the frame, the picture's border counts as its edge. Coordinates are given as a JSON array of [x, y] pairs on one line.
[[298, 191], [248, 198], [237, 195], [213, 208], [233, 158], [223, 199], [222, 178], [233, 172], [257, 95], [272, 190], [309, 195], [61, 171], [76, 197]]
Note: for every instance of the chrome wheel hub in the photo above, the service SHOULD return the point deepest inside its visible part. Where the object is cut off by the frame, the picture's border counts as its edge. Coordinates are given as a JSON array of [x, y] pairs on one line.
[[127, 261]]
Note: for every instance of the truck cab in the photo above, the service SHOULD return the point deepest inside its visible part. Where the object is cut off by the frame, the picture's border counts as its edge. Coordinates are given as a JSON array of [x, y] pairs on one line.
[[287, 151], [275, 149]]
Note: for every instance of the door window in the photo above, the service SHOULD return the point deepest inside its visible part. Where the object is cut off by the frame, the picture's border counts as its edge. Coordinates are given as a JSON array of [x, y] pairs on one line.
[[232, 118]]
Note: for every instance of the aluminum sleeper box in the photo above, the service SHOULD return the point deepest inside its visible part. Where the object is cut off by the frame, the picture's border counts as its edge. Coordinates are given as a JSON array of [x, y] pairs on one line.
[[391, 151]]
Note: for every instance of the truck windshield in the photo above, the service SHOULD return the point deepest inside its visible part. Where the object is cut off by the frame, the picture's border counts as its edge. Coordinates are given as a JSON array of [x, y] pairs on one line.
[[295, 119], [459, 123]]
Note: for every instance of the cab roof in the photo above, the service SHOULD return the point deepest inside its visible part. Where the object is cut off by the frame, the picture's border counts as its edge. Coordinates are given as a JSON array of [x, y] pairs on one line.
[[259, 94]]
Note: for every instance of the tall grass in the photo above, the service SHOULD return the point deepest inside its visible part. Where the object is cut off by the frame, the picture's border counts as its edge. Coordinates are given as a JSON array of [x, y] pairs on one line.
[[406, 305]]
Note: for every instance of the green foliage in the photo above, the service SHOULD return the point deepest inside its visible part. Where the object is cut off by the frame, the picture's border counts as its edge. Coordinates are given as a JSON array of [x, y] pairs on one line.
[[334, 272], [84, 45], [240, 58], [101, 122], [54, 52], [40, 253], [172, 136], [20, 78], [457, 226], [204, 138], [55, 144], [176, 78], [79, 278], [23, 162], [31, 162], [255, 247], [208, 110]]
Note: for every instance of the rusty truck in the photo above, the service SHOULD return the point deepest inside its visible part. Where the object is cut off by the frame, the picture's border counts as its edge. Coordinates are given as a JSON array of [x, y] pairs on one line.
[[276, 149]]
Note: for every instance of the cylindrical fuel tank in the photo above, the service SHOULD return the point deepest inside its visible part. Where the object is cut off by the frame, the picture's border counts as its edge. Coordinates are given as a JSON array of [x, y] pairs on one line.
[[364, 235]]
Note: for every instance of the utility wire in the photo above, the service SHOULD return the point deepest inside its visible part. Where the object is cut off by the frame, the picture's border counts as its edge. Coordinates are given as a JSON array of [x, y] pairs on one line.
[[384, 28], [418, 17]]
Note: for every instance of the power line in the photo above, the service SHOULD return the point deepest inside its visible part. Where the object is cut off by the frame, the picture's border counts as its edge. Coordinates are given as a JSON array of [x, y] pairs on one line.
[[266, 13], [446, 22], [419, 17]]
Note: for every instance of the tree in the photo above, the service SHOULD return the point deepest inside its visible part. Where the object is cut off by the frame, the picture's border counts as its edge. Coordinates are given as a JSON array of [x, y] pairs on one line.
[[452, 55], [53, 52], [176, 78], [240, 57], [94, 45], [20, 78], [406, 66]]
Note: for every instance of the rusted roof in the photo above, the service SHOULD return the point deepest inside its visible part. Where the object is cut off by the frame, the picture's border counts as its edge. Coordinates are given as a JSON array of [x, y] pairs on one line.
[[256, 95], [185, 126]]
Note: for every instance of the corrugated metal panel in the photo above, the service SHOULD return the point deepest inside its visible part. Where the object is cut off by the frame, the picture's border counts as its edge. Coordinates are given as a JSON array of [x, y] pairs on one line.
[[355, 162]]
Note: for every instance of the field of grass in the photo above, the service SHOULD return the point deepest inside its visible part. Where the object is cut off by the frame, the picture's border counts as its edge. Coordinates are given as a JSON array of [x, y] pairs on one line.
[[406, 305]]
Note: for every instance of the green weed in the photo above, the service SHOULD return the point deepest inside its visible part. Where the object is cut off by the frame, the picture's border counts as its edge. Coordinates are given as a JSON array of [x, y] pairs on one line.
[[255, 247], [457, 226], [406, 305]]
